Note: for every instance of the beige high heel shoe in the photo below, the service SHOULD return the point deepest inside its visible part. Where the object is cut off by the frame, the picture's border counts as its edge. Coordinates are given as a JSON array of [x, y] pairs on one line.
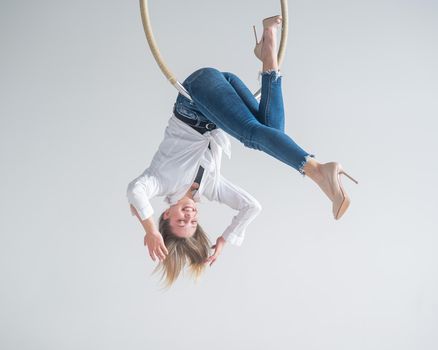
[[336, 192], [267, 22]]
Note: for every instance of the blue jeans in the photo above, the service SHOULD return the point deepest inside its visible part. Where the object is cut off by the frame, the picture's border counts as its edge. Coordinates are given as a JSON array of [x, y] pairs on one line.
[[222, 98]]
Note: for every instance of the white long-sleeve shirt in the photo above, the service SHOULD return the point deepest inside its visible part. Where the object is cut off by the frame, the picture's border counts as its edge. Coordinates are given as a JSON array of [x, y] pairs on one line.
[[173, 170]]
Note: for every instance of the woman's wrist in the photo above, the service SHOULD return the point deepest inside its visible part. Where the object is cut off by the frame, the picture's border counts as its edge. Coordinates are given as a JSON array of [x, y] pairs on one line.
[[153, 233], [149, 226]]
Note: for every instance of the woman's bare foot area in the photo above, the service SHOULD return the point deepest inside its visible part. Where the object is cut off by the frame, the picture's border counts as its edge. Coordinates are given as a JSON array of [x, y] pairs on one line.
[[269, 47], [313, 169]]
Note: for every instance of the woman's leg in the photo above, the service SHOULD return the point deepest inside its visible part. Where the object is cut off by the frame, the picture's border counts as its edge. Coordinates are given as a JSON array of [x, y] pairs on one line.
[[270, 110], [244, 93], [227, 102], [271, 100], [217, 99]]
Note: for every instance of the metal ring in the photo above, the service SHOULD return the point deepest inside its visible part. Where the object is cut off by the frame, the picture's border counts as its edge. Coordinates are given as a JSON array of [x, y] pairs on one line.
[[165, 69], [213, 126]]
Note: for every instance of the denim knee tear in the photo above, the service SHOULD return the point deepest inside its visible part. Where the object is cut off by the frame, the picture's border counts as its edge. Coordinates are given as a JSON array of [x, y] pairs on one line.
[[306, 158]]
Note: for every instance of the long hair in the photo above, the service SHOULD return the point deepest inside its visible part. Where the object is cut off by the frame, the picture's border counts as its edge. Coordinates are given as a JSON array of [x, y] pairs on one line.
[[192, 251]]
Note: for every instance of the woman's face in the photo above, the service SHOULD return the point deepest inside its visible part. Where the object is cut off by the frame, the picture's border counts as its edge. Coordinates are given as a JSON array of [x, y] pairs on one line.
[[183, 217]]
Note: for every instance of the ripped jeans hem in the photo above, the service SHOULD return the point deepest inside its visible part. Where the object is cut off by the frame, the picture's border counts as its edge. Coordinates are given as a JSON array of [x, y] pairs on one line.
[[274, 72], [303, 163]]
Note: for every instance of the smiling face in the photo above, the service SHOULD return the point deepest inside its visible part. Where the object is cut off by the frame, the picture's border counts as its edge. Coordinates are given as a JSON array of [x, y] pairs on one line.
[[183, 217]]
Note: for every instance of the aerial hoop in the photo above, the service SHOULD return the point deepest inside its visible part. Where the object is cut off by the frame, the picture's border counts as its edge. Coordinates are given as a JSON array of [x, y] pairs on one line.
[[165, 69]]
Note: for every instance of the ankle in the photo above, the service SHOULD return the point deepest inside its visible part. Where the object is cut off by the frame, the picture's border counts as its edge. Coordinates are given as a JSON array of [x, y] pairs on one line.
[[269, 49], [269, 66], [269, 35], [270, 30], [312, 169]]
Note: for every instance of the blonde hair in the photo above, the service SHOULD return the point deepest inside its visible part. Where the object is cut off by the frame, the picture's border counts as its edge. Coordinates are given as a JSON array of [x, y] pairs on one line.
[[192, 250]]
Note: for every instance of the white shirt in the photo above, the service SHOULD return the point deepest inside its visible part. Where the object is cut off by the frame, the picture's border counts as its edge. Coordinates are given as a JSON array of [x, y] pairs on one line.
[[174, 168]]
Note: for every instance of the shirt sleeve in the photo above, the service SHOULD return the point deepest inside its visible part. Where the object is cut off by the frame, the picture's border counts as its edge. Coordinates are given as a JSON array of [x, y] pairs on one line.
[[139, 193], [247, 206]]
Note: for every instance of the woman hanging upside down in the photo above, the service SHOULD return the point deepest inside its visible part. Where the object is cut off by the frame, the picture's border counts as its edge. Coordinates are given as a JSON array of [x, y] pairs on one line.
[[187, 163]]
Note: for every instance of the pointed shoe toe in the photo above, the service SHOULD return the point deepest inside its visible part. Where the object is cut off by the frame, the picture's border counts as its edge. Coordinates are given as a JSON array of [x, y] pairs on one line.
[[340, 207]]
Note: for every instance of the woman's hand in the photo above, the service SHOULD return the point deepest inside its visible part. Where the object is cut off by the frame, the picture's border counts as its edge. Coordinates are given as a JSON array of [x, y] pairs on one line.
[[155, 243], [220, 242]]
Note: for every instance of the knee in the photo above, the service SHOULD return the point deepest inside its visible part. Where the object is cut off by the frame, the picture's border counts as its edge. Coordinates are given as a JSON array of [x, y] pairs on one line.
[[229, 76], [209, 70], [197, 73], [198, 78], [206, 71]]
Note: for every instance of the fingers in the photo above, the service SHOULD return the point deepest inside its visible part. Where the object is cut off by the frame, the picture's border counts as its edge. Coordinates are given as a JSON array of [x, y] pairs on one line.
[[157, 253], [152, 254], [160, 253], [157, 249], [211, 259], [163, 248], [217, 250]]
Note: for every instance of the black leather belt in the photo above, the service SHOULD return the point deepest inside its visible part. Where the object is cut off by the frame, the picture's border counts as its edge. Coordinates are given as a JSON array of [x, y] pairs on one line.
[[199, 126]]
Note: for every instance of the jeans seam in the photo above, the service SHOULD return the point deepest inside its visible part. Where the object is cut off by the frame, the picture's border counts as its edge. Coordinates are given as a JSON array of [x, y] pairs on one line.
[[261, 144], [267, 103], [249, 140]]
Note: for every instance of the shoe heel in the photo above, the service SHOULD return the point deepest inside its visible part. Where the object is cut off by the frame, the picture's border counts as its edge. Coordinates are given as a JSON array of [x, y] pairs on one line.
[[258, 45], [255, 34], [343, 172]]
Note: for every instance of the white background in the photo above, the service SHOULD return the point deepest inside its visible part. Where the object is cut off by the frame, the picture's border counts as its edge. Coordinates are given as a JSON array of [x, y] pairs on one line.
[[83, 109]]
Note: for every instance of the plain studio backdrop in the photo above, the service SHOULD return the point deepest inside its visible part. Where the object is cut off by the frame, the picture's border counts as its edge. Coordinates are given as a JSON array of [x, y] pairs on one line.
[[83, 109]]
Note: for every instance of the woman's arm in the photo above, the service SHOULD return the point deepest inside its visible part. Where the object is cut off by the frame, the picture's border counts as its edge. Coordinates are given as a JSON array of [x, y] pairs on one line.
[[247, 206], [153, 238], [148, 224], [139, 192]]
